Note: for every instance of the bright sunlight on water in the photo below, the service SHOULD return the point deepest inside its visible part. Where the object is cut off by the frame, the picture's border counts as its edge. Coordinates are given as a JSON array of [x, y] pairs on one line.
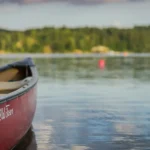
[[83, 107]]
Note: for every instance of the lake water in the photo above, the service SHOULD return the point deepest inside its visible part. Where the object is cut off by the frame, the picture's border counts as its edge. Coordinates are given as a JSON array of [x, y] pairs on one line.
[[83, 107]]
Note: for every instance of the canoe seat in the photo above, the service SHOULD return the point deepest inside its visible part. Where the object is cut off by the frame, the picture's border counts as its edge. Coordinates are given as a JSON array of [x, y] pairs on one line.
[[8, 74], [14, 85]]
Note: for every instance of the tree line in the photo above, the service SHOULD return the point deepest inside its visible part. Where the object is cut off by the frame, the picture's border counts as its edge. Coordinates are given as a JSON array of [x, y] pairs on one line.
[[65, 40]]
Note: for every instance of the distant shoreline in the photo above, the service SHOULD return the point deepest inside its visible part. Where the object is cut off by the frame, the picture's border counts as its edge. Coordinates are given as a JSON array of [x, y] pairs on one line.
[[60, 55]]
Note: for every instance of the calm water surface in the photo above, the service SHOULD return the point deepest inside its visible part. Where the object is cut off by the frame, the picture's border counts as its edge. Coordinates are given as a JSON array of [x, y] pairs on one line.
[[83, 107]]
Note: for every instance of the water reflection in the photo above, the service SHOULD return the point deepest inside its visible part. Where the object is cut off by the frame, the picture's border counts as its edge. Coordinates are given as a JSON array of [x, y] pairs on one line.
[[28, 142], [87, 68], [44, 132], [83, 107]]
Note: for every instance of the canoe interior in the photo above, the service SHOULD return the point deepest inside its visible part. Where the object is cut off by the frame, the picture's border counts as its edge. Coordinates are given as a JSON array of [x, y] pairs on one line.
[[13, 78]]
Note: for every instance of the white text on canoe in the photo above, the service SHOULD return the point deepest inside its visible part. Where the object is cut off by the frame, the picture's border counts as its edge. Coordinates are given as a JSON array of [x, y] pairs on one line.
[[6, 112]]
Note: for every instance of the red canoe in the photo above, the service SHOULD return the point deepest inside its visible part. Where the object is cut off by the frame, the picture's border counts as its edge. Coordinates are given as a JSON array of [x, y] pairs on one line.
[[17, 101]]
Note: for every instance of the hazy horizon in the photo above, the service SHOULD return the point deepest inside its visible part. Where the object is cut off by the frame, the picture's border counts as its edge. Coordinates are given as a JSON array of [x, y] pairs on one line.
[[78, 2], [14, 16]]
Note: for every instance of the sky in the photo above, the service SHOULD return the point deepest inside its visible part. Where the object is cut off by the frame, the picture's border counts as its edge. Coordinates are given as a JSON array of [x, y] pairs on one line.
[[79, 2], [26, 14]]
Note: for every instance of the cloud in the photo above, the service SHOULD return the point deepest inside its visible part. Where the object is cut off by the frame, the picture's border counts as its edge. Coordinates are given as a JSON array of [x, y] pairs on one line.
[[117, 24], [8, 8]]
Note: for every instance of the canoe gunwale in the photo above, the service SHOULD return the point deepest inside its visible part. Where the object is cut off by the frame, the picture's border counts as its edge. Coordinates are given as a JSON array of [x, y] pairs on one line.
[[24, 63], [21, 91]]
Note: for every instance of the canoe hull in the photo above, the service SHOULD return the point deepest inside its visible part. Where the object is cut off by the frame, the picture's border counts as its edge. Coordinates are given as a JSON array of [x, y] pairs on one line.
[[16, 117]]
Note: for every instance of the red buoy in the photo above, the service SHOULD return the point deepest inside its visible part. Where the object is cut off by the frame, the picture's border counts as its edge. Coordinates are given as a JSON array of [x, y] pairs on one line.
[[101, 63]]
